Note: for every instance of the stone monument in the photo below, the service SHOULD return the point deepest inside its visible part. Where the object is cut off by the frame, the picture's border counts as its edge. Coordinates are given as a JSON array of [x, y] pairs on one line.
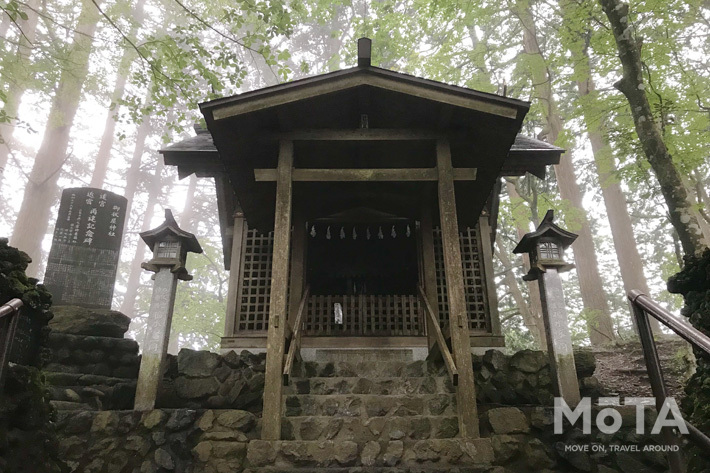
[[81, 270]]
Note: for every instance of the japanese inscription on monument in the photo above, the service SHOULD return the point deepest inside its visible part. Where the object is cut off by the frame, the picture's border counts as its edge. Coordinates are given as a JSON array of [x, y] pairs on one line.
[[82, 264]]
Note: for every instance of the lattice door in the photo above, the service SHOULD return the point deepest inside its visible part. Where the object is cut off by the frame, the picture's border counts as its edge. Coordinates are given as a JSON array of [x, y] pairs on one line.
[[474, 285], [253, 307]]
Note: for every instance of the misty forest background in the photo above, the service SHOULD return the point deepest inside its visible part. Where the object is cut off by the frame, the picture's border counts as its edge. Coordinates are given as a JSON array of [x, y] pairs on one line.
[[91, 89]]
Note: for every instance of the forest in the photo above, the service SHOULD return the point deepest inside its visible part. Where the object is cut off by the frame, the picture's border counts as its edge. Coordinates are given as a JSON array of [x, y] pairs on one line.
[[92, 89]]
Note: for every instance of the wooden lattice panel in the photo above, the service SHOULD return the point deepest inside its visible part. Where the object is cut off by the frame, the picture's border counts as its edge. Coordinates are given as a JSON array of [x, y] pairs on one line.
[[474, 284], [253, 303], [365, 315]]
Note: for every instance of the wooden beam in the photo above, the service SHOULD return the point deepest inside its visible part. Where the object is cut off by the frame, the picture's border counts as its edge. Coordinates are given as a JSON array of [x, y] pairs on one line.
[[296, 92], [298, 264], [458, 317], [359, 175], [359, 134], [235, 273], [429, 267], [278, 304]]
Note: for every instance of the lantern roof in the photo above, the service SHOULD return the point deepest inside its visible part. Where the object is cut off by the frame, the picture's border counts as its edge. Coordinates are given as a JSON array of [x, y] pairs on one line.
[[170, 227], [548, 230]]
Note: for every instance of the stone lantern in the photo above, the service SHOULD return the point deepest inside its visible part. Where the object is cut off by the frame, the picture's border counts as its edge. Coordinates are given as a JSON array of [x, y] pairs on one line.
[[170, 246], [546, 247]]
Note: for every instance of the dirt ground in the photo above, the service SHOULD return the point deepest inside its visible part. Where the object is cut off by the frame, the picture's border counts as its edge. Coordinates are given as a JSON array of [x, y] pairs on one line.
[[621, 369]]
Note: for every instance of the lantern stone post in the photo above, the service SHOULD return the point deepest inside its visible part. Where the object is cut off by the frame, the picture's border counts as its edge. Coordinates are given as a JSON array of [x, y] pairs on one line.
[[170, 246], [546, 247]]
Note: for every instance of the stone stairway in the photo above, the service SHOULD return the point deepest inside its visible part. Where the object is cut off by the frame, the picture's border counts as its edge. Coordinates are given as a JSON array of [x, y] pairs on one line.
[[383, 415], [91, 367]]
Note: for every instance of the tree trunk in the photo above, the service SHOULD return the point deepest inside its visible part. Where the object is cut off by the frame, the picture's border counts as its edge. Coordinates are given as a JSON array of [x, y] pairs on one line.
[[535, 306], [599, 322], [650, 136], [532, 322], [186, 223], [187, 218], [107, 138], [135, 271], [622, 231], [17, 83], [41, 191]]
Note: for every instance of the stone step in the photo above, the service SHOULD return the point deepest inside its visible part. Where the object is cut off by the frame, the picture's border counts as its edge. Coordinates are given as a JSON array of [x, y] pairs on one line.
[[369, 385], [369, 405], [80, 379], [97, 369], [360, 469], [368, 369], [370, 429], [99, 392], [71, 406], [364, 354], [440, 453]]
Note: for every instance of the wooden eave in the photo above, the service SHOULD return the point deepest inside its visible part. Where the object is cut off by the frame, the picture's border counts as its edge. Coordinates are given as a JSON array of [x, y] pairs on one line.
[[311, 87], [199, 155]]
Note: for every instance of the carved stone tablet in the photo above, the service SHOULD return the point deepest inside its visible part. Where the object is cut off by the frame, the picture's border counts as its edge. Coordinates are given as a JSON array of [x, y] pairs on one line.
[[82, 264]]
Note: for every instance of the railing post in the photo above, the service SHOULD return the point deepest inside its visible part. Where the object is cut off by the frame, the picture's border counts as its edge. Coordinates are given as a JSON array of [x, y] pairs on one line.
[[9, 316], [658, 387]]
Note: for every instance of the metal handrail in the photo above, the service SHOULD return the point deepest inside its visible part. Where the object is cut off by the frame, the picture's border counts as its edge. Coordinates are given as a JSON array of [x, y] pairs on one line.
[[8, 324], [295, 344], [643, 306], [440, 340]]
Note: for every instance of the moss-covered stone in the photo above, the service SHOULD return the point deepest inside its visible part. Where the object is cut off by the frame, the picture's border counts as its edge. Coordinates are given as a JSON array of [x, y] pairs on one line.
[[693, 283], [34, 315], [28, 442]]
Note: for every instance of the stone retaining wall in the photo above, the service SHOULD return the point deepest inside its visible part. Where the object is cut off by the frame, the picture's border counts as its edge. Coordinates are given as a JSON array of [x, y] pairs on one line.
[[216, 441], [199, 379], [103, 356], [180, 440]]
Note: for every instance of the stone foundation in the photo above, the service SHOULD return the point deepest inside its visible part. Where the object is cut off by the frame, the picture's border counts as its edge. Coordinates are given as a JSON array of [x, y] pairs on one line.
[[197, 379], [180, 440], [200, 379], [91, 366], [215, 441]]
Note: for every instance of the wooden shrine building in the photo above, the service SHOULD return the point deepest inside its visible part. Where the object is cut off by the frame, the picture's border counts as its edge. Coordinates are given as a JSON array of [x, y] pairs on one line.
[[358, 209]]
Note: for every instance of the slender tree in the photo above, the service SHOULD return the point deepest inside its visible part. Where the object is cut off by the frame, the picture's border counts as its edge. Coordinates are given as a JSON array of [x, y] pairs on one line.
[[41, 190], [633, 87], [103, 156], [531, 321], [535, 303], [17, 74], [135, 271], [599, 322], [630, 264]]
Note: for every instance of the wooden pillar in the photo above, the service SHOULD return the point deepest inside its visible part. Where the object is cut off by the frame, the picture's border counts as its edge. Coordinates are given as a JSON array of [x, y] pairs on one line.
[[484, 234], [429, 268], [278, 305], [235, 273], [298, 263], [458, 318]]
